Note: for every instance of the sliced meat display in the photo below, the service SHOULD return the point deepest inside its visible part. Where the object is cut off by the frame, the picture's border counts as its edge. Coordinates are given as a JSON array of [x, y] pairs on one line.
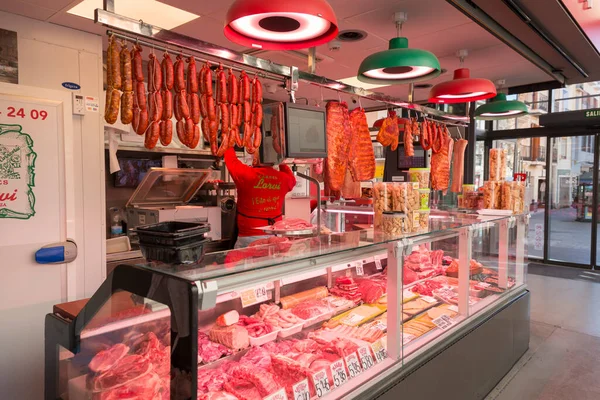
[[147, 386], [339, 135], [234, 337], [361, 159], [292, 224], [311, 308], [261, 379], [126, 370], [209, 351]]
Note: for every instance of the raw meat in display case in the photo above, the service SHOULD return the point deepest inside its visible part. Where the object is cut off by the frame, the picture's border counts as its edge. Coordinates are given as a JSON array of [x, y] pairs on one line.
[[312, 324]]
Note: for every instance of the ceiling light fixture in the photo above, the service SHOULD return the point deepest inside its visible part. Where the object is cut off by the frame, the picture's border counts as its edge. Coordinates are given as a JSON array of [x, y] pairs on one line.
[[501, 108], [462, 88], [280, 24], [399, 64]]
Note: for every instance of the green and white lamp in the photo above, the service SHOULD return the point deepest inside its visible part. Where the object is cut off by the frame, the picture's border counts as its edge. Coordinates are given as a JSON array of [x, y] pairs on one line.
[[501, 108]]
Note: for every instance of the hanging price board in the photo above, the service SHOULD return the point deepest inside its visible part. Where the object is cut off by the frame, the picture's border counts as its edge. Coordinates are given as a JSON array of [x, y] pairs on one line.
[[353, 364], [278, 395], [301, 390], [253, 296], [321, 383], [338, 371], [379, 351], [366, 360]]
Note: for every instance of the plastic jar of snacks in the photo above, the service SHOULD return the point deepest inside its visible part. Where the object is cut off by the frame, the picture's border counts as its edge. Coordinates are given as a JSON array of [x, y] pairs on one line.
[[420, 175], [423, 220], [395, 223], [467, 188], [461, 201], [382, 201], [497, 164], [424, 199]]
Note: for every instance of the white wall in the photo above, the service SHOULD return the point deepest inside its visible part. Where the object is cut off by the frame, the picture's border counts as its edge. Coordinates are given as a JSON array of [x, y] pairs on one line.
[[48, 56]]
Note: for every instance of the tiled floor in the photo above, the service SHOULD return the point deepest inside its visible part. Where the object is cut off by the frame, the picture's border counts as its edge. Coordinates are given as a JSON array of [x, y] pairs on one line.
[[563, 361]]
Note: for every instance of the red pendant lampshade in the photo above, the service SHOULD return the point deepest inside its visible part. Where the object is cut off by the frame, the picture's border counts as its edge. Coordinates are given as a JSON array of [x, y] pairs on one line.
[[280, 24], [462, 89]]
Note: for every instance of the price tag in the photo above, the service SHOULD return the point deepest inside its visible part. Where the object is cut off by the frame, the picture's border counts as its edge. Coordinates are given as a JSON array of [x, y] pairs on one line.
[[359, 269], [321, 383], [353, 364], [379, 351], [443, 322], [278, 395], [338, 371], [380, 325], [472, 302], [253, 296], [407, 337], [429, 299], [352, 319], [483, 285], [366, 360], [453, 308], [378, 262], [301, 390]]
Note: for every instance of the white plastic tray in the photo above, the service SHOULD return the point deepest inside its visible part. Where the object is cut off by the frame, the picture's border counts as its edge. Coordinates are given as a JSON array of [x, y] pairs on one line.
[[259, 341], [292, 330]]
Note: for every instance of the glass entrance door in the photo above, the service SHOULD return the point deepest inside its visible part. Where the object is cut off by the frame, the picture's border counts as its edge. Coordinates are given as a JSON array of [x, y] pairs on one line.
[[571, 197]]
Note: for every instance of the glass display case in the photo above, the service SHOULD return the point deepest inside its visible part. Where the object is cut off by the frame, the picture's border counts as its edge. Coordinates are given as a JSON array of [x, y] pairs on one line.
[[327, 316]]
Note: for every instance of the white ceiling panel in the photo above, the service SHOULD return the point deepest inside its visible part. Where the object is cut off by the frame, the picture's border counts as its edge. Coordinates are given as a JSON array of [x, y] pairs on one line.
[[56, 5], [27, 10]]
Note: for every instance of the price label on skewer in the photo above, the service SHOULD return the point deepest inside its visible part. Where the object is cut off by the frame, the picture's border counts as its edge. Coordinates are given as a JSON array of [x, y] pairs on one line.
[[353, 364], [253, 296], [301, 390], [366, 359], [321, 382], [379, 351], [338, 371], [378, 262], [443, 322], [278, 395]]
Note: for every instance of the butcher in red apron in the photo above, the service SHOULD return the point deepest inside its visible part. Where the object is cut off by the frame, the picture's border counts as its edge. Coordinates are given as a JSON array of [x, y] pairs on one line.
[[261, 194]]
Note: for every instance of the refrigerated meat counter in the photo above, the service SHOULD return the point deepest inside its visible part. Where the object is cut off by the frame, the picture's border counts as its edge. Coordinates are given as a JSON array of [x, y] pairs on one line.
[[351, 315]]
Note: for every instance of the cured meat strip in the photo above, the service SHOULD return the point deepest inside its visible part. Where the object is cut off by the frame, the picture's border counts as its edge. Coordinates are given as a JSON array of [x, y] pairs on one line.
[[440, 166], [361, 159], [389, 131], [339, 135]]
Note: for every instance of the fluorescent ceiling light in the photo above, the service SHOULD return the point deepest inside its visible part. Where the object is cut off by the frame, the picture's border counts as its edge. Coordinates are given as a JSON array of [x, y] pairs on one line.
[[150, 11], [353, 81]]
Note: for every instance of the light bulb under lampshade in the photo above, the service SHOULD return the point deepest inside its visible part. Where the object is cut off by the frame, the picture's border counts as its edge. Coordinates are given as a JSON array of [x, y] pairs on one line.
[[280, 24], [462, 89]]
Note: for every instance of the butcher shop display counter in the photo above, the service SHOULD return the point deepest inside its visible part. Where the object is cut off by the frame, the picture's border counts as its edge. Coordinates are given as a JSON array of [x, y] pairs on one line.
[[332, 316]]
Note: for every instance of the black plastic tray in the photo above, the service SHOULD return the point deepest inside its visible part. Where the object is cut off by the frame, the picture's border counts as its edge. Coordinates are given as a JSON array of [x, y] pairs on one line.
[[172, 233], [187, 254]]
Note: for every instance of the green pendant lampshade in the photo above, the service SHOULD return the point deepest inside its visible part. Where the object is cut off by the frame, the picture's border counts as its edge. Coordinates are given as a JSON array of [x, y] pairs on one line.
[[399, 64], [500, 108]]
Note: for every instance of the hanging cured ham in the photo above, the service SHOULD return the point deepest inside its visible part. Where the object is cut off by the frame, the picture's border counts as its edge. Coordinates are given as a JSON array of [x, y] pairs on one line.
[[389, 131], [458, 165], [440, 165], [361, 159], [339, 135]]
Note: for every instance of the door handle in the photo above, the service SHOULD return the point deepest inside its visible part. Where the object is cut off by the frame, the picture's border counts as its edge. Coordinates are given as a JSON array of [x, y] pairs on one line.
[[57, 253]]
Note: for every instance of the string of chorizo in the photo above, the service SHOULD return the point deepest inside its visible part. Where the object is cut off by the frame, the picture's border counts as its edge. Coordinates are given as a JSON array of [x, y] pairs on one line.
[[166, 125]]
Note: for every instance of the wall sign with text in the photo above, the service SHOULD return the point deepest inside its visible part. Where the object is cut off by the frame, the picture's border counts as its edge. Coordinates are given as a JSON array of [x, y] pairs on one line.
[[17, 173]]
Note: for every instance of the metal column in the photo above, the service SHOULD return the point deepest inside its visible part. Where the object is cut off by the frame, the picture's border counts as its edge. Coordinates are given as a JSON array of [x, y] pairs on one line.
[[465, 240]]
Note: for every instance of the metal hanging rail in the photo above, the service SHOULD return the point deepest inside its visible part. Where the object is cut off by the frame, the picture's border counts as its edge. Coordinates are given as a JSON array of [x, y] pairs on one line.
[[140, 29]]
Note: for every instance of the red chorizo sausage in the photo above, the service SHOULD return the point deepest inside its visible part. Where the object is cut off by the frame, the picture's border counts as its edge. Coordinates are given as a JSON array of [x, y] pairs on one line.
[[206, 129], [192, 76], [233, 115], [180, 127], [167, 72], [152, 135], [176, 109], [140, 95], [182, 104], [247, 135], [113, 100], [224, 118], [154, 74], [126, 72], [167, 99], [127, 107], [155, 106], [224, 144], [137, 64], [203, 106], [189, 131], [257, 92], [233, 96], [221, 86], [244, 87], [179, 70], [258, 115], [194, 104], [166, 132], [195, 137], [213, 129], [212, 111], [208, 80], [247, 112], [257, 137], [143, 122]]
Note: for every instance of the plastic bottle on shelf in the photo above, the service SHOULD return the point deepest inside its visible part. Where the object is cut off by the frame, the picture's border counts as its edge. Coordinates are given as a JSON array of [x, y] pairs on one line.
[[116, 228]]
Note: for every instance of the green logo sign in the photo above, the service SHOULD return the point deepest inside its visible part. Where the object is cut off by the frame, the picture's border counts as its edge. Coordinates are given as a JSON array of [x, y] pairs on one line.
[[592, 113], [17, 173]]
